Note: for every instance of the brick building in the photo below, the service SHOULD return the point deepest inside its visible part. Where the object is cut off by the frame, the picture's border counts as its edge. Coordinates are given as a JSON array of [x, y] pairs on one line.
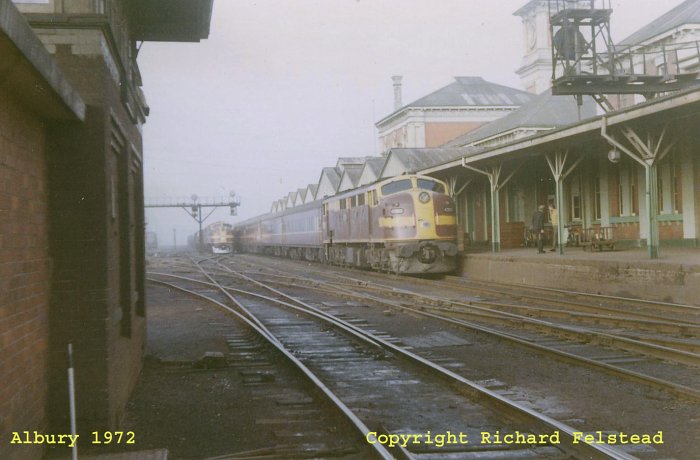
[[71, 199], [456, 109]]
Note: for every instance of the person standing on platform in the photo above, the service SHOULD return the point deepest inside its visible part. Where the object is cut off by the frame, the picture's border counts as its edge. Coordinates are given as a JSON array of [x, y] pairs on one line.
[[554, 220], [538, 227]]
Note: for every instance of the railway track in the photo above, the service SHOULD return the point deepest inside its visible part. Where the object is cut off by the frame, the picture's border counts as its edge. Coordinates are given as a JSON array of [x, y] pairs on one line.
[[667, 361], [383, 388]]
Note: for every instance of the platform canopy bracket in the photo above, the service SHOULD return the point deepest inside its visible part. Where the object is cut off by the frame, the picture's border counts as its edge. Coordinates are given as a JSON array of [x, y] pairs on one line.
[[493, 173]]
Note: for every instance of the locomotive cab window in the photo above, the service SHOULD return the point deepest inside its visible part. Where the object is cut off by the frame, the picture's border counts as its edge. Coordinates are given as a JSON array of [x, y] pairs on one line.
[[427, 184], [397, 186]]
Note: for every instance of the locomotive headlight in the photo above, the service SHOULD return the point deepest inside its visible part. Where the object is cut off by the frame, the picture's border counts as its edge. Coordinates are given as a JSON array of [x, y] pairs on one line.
[[397, 211], [424, 197]]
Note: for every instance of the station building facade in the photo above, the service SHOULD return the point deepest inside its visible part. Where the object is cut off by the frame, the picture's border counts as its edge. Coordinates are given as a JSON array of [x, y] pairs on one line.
[[594, 191], [462, 106], [649, 189], [72, 232], [480, 138]]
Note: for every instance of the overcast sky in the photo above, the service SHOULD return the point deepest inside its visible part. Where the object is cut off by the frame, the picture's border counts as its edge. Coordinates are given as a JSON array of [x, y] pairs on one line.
[[281, 88]]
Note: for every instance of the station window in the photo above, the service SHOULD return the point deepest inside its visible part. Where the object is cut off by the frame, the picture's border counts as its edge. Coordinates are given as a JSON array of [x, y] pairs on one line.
[[597, 214], [627, 189], [634, 196], [515, 203], [576, 202], [670, 186], [676, 183]]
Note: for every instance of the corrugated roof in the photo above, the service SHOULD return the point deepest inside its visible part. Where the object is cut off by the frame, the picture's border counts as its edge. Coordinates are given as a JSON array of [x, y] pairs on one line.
[[376, 164], [687, 12], [332, 175], [353, 172], [545, 111], [343, 161], [417, 159]]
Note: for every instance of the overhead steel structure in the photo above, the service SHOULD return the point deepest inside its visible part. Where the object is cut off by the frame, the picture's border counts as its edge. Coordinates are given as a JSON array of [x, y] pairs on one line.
[[585, 61], [195, 206]]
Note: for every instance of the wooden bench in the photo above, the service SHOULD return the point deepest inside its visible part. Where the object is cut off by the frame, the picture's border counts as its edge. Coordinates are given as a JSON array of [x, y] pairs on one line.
[[597, 238]]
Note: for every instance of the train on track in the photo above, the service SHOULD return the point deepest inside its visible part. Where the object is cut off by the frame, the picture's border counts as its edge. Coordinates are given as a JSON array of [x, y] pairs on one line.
[[404, 224], [216, 238]]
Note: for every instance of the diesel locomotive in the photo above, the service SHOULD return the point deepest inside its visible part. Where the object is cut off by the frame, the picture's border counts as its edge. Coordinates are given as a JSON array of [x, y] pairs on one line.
[[404, 224]]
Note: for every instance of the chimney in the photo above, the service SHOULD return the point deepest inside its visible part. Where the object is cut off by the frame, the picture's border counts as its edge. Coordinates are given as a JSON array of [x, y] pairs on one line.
[[397, 91]]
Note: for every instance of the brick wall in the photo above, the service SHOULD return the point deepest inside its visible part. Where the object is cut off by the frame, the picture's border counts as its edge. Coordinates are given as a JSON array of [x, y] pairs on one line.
[[626, 231], [672, 230], [437, 134], [96, 250], [24, 277], [512, 234]]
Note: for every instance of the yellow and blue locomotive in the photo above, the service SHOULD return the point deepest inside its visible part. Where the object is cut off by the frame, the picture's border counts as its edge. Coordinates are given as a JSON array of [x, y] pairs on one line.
[[404, 224]]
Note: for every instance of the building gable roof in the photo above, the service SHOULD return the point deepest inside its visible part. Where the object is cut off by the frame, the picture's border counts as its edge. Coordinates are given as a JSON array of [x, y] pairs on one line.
[[545, 111], [371, 170], [349, 161], [350, 177], [311, 192], [687, 12], [473, 91], [328, 182], [402, 160], [469, 92]]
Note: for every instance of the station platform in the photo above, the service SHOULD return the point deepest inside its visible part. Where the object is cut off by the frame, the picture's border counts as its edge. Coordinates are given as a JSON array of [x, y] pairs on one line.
[[674, 277]]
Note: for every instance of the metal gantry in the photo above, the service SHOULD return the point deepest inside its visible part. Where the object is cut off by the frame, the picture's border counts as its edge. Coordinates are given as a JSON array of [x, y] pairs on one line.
[[586, 61], [195, 205]]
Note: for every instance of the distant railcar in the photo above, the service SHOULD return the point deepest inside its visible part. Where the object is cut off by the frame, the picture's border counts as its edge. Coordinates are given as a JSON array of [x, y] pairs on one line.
[[404, 225], [216, 237]]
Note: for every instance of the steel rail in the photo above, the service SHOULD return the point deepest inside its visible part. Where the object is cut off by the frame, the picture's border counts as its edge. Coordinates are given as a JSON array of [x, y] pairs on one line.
[[688, 328], [381, 451], [657, 303], [624, 343], [577, 332], [674, 388], [671, 342], [316, 312], [589, 450], [457, 285]]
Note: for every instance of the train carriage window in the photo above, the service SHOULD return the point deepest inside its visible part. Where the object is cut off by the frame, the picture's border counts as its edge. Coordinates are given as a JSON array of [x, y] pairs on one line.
[[343, 203], [397, 186], [361, 199], [427, 184], [353, 201], [373, 199]]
